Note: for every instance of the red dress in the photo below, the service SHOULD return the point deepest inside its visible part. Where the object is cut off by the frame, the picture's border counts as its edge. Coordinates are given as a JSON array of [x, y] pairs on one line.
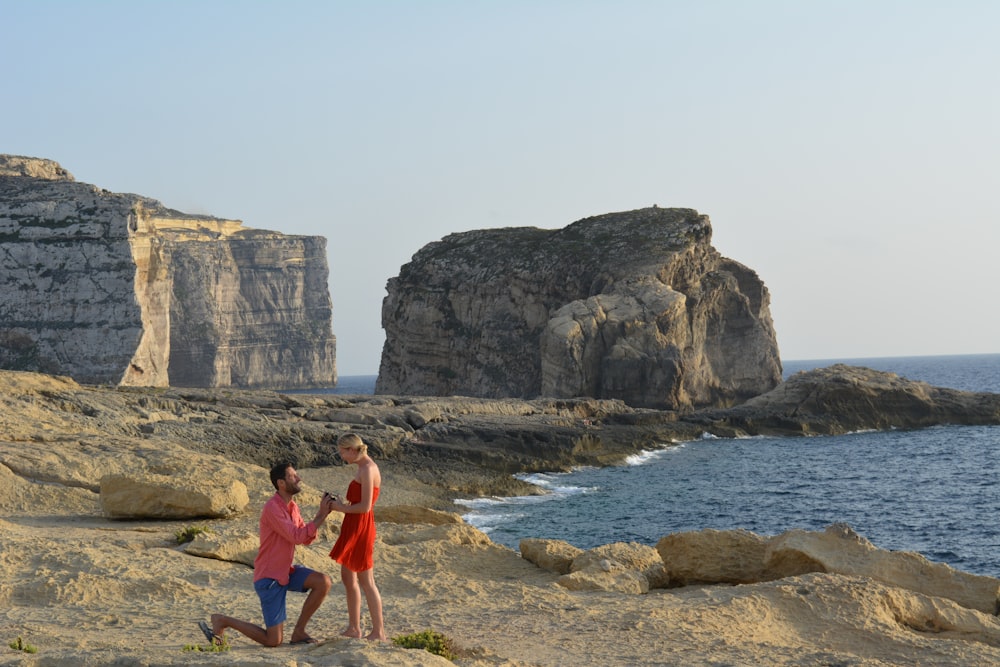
[[356, 543]]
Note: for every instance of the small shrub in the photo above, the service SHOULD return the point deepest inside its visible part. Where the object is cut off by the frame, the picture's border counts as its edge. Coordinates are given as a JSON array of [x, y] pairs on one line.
[[188, 534], [21, 645], [430, 641], [208, 648]]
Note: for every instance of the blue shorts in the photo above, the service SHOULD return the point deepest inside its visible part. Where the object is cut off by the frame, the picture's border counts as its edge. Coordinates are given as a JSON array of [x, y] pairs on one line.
[[272, 594]]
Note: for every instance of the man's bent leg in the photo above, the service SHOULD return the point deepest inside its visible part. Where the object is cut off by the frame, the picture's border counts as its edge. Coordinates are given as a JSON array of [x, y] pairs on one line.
[[270, 637], [318, 585]]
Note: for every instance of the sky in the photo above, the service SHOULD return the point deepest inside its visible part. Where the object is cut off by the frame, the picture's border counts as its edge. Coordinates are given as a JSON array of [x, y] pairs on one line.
[[848, 151]]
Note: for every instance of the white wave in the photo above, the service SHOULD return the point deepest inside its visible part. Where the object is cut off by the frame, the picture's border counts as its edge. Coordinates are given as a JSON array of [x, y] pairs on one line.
[[648, 455], [551, 482], [493, 510], [478, 503], [494, 506], [542, 479], [490, 522], [557, 494]]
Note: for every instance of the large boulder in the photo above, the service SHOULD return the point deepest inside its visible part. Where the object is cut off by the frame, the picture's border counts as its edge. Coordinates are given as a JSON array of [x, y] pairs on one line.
[[152, 496], [839, 549], [552, 555], [636, 306], [622, 567], [715, 557], [742, 557]]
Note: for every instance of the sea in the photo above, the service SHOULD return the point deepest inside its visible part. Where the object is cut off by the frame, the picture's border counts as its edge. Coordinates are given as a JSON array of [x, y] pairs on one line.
[[935, 491]]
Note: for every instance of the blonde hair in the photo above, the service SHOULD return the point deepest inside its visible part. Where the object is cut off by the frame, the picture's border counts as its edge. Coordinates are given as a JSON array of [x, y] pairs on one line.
[[352, 441]]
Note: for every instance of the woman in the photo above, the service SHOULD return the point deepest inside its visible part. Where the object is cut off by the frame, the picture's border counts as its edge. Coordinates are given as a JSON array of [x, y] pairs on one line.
[[354, 546]]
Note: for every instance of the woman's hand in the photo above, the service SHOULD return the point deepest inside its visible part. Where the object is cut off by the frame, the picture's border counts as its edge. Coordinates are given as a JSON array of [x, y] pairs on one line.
[[337, 504]]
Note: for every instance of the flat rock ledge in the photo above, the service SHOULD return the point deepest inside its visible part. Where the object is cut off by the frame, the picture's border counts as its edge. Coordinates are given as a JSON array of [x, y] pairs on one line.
[[742, 557]]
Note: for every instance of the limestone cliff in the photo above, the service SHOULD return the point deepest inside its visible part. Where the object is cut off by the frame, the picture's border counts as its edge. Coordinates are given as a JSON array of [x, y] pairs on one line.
[[114, 288], [636, 306]]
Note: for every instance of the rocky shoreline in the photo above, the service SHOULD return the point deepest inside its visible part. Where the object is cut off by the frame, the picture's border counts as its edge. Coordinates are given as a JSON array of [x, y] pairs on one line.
[[487, 437], [457, 447], [88, 589]]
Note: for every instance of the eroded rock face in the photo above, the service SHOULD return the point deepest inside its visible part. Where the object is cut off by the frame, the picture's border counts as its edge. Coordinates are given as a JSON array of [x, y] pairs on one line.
[[716, 556], [618, 566], [153, 496], [740, 557], [117, 289], [839, 549], [636, 306], [552, 555]]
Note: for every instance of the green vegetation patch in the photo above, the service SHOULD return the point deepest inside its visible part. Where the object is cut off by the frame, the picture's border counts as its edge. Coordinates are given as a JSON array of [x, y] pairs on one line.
[[208, 648], [430, 641], [188, 534], [21, 645]]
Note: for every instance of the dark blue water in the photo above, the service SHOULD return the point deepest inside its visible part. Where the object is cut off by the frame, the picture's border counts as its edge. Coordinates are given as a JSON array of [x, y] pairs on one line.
[[346, 384], [933, 491]]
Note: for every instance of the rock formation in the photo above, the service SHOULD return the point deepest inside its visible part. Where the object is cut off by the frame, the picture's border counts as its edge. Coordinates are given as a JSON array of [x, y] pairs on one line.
[[117, 289], [624, 567], [840, 399], [741, 557], [157, 496], [636, 306]]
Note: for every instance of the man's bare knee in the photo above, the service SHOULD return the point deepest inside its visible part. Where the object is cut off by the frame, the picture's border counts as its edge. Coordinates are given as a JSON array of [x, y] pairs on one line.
[[273, 637]]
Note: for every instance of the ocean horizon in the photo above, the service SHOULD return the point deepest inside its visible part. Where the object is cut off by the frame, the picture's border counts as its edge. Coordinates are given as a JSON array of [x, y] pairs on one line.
[[923, 367]]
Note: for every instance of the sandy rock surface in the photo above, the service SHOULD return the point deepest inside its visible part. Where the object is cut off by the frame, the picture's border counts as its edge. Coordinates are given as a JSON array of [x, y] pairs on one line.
[[85, 589]]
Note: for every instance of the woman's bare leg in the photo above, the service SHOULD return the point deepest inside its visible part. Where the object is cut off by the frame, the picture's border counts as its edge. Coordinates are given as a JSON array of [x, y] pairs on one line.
[[366, 580], [353, 593]]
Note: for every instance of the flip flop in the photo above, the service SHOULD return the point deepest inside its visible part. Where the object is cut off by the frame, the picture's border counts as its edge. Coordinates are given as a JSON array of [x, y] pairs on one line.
[[209, 635], [307, 640]]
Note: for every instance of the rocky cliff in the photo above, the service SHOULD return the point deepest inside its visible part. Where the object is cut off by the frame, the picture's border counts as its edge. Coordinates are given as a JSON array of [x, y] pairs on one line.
[[636, 306], [114, 288]]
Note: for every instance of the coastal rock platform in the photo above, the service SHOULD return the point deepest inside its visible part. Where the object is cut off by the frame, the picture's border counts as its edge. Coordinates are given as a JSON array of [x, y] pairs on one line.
[[86, 588]]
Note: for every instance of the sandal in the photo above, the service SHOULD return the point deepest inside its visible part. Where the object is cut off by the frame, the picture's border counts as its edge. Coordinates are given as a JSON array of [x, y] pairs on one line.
[[212, 638]]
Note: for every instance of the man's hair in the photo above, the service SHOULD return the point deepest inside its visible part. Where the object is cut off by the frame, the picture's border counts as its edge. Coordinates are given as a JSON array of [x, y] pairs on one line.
[[279, 471]]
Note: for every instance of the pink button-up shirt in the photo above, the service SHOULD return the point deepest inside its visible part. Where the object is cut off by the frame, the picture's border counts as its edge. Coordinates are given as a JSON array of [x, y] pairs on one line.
[[281, 528]]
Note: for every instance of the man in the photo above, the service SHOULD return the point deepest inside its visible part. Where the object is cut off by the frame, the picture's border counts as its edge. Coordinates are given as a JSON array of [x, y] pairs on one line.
[[281, 528]]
